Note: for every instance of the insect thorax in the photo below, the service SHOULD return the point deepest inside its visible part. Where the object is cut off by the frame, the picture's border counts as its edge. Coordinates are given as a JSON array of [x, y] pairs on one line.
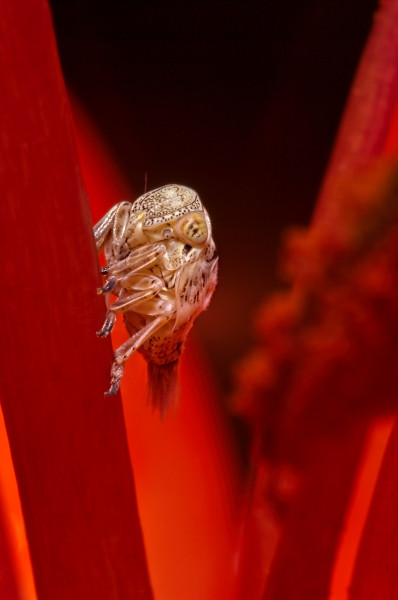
[[166, 204]]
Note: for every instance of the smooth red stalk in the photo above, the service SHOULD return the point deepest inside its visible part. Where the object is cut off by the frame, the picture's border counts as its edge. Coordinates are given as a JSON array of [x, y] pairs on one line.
[[370, 106], [376, 570], [67, 440], [8, 586], [305, 555]]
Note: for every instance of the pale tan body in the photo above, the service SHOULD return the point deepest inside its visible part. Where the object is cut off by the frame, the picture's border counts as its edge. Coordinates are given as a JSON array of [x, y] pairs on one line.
[[162, 265]]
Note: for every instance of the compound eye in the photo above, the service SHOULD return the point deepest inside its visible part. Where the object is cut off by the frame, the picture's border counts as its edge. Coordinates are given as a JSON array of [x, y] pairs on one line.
[[167, 233], [193, 229]]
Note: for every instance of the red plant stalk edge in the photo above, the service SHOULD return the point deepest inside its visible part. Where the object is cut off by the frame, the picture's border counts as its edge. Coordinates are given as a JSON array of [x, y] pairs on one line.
[[68, 441]]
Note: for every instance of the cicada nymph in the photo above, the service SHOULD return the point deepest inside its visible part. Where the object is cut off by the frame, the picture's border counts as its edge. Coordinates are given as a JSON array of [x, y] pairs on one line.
[[162, 266]]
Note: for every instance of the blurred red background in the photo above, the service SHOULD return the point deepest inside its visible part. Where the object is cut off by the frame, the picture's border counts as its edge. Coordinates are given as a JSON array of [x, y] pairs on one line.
[[240, 100]]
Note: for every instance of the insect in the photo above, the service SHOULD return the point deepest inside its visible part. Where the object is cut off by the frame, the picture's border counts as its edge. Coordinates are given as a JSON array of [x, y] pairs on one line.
[[162, 266]]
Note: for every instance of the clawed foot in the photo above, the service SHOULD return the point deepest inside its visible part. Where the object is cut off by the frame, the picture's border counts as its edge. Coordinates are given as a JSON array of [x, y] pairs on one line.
[[116, 377], [109, 285], [108, 324]]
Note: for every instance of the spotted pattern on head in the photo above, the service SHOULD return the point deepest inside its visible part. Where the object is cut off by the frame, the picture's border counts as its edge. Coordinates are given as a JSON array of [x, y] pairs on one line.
[[167, 203]]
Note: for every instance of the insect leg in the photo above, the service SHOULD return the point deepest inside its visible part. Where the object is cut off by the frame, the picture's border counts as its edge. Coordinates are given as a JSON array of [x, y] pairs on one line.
[[109, 285], [123, 353], [140, 288], [138, 259], [129, 300], [120, 222], [103, 227], [116, 219], [108, 324]]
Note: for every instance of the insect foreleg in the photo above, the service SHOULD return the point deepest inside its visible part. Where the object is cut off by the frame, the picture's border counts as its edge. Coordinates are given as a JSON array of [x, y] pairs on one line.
[[103, 227], [127, 300], [115, 220], [110, 284], [144, 256], [120, 222], [123, 353], [136, 289], [108, 324]]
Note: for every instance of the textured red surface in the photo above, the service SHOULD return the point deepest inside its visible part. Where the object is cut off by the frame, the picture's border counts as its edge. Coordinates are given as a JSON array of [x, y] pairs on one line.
[[67, 440]]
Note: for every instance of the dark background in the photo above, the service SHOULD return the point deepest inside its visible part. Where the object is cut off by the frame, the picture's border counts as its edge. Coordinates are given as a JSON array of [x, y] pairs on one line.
[[239, 100]]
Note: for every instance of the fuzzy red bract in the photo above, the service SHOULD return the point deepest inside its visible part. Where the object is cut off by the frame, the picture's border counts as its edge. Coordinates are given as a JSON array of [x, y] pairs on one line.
[[325, 365]]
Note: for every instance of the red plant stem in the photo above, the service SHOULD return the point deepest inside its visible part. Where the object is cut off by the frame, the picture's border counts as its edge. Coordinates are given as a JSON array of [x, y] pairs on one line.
[[367, 116], [305, 556], [67, 440], [8, 587], [376, 569], [304, 559]]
